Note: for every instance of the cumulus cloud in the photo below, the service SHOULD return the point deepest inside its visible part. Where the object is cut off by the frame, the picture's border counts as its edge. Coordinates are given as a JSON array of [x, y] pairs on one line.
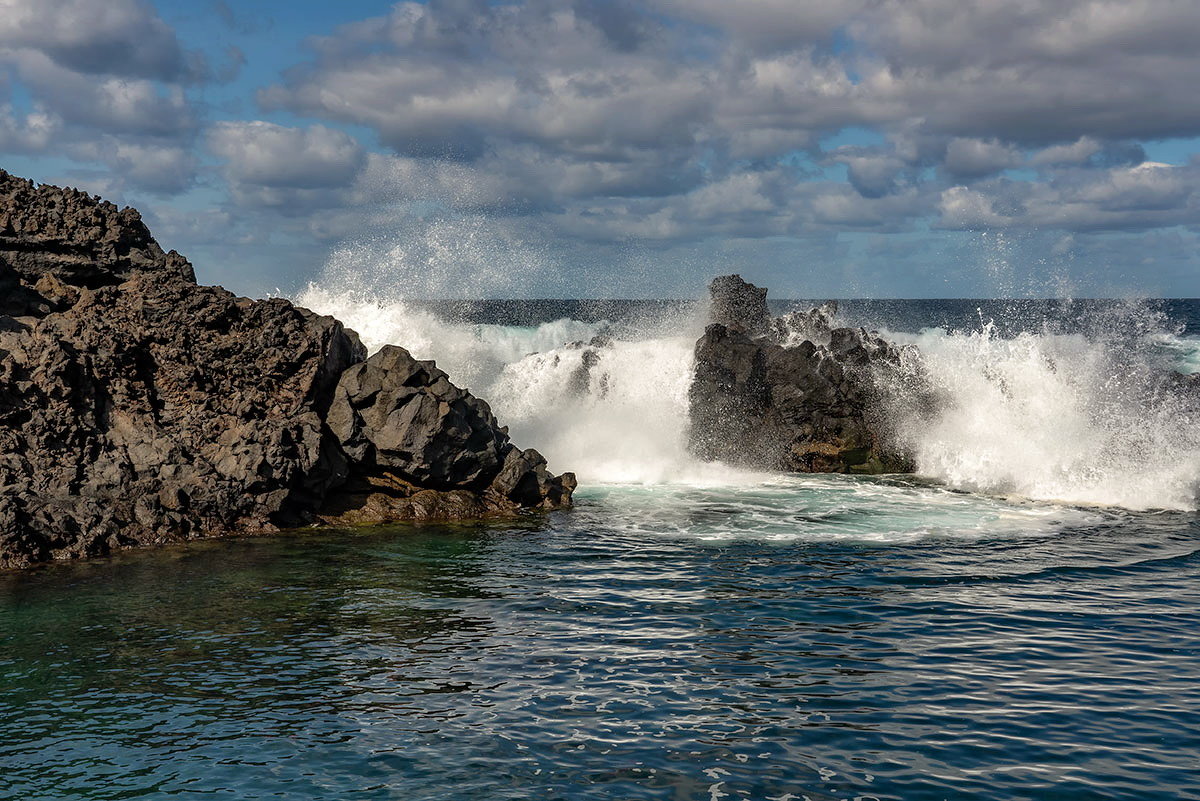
[[603, 91], [25, 133], [276, 156], [123, 106], [448, 79], [124, 38], [778, 24], [1034, 73], [973, 158], [874, 172], [1150, 195], [1077, 152], [666, 121]]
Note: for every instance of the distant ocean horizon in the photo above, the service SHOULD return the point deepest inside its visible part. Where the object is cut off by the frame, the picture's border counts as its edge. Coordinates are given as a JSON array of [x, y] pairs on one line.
[[1010, 314]]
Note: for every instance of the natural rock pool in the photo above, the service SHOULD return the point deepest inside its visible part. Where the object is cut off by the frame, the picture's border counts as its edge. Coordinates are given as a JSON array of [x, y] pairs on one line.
[[854, 639]]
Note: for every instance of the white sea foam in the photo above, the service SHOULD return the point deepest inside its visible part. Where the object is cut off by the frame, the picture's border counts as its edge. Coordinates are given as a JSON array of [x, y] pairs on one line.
[[474, 355], [622, 420], [1053, 417], [1057, 417]]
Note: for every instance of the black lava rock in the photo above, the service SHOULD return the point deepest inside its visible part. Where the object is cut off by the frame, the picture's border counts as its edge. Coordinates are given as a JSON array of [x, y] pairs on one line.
[[137, 407], [794, 393]]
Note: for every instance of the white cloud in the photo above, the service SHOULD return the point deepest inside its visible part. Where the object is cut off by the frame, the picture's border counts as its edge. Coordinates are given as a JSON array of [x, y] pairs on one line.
[[123, 38], [962, 207], [272, 156]]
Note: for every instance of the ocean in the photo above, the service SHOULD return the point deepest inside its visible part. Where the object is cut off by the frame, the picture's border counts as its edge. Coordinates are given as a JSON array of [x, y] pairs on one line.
[[1020, 619]]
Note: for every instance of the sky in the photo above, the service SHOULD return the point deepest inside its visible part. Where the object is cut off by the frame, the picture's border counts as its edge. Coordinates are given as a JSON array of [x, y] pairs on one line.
[[601, 148]]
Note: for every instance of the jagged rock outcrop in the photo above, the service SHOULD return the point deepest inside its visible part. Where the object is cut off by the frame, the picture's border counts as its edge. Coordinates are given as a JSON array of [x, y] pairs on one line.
[[137, 407], [420, 447], [795, 393], [54, 241], [735, 303]]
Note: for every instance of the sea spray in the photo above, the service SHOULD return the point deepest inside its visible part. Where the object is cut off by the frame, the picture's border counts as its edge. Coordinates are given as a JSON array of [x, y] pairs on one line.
[[1094, 420], [473, 354], [623, 418], [1074, 409]]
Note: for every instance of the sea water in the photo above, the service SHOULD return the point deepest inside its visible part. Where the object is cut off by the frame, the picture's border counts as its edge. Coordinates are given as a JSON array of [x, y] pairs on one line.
[[1019, 619]]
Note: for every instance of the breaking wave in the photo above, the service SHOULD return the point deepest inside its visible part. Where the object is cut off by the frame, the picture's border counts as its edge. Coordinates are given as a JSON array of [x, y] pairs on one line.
[[1091, 417], [1078, 417]]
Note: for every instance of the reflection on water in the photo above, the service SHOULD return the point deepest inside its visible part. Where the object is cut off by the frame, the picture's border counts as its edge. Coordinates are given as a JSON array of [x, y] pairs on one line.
[[637, 648]]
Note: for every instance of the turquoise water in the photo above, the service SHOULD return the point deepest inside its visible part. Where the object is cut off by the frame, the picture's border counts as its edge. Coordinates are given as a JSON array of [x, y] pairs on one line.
[[780, 638]]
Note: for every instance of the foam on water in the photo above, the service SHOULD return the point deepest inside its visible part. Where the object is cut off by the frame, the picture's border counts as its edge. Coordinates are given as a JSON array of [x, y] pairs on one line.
[[1058, 417], [1064, 418], [821, 508]]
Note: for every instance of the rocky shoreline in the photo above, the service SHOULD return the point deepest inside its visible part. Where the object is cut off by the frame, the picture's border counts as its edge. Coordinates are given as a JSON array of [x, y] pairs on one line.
[[138, 407]]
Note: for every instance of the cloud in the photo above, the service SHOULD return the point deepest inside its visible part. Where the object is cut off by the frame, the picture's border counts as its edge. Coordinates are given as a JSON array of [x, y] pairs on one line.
[[756, 80], [775, 24], [450, 79], [278, 157], [1077, 152], [1150, 195], [123, 38], [873, 172], [962, 207], [104, 85], [124, 106], [606, 122], [1033, 73], [28, 133], [159, 169], [975, 158]]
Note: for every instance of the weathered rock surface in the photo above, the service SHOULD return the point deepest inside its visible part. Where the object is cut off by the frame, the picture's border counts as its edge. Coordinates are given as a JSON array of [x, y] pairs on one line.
[[793, 393], [735, 303], [137, 407], [51, 238], [423, 448]]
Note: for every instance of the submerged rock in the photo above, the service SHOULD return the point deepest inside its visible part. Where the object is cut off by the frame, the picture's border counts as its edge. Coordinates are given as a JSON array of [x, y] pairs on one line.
[[137, 407], [794, 393]]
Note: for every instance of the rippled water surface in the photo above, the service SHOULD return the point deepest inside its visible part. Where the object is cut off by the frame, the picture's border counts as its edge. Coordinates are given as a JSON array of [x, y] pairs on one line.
[[828, 638]]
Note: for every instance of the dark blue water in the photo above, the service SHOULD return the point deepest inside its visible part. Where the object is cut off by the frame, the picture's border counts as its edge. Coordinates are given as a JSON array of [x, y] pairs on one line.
[[564, 659], [1180, 315]]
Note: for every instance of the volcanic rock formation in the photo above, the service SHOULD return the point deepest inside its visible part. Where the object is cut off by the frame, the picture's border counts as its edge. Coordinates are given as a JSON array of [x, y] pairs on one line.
[[793, 393], [138, 407]]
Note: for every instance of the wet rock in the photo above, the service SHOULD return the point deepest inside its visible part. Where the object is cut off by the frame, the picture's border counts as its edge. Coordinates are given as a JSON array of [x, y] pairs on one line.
[[797, 325], [802, 395], [738, 304], [137, 407]]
